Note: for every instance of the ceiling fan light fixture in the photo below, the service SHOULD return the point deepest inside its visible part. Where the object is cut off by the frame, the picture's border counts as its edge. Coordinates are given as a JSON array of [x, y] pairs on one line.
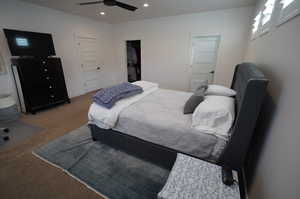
[[111, 3], [102, 13], [146, 5]]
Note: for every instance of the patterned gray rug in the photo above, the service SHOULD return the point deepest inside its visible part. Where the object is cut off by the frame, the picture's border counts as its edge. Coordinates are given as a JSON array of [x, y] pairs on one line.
[[109, 172]]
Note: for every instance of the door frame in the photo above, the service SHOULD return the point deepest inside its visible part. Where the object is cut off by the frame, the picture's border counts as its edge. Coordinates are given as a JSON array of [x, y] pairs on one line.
[[191, 35], [125, 56], [76, 36]]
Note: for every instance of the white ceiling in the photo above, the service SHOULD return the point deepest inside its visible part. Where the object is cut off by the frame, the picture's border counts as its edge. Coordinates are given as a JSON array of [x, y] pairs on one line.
[[157, 8]]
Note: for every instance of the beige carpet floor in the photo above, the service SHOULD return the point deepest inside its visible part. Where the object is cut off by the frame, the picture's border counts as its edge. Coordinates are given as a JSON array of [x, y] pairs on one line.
[[23, 176]]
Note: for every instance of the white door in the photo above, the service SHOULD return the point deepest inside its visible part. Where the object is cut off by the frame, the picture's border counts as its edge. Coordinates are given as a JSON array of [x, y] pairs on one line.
[[204, 52], [90, 62], [2, 65]]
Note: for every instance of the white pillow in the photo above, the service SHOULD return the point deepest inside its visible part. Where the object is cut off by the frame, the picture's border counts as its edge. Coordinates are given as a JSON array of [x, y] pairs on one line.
[[214, 115], [214, 89]]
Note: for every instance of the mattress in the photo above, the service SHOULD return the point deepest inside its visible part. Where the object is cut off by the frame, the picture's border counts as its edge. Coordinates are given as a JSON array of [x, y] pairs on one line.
[[158, 118]]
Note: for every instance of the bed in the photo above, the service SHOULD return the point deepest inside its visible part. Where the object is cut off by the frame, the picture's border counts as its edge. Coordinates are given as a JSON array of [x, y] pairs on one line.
[[155, 128]]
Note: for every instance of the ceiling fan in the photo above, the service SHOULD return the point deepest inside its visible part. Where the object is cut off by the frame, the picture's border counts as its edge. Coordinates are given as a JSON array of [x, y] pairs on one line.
[[112, 3]]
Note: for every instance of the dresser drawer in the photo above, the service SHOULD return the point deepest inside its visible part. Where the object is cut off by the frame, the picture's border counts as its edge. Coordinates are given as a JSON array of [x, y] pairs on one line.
[[42, 82], [57, 96]]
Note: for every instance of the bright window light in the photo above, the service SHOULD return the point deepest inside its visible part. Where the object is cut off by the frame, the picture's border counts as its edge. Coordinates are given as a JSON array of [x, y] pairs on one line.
[[286, 3], [289, 10], [256, 22], [267, 13]]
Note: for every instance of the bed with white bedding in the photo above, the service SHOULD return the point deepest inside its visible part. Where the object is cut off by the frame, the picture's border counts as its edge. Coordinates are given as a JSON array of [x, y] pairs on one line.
[[156, 117]]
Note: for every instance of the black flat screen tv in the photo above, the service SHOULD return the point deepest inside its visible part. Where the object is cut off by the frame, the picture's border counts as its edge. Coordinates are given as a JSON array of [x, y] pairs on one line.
[[23, 43]]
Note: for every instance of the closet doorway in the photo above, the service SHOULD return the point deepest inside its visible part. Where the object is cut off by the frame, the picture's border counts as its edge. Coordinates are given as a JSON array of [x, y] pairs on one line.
[[133, 50]]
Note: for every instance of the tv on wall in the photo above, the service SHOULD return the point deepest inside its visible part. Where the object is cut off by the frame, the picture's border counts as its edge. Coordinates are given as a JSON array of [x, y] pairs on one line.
[[22, 43]]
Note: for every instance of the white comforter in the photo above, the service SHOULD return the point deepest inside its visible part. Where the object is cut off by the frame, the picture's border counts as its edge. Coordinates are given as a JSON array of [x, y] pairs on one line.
[[107, 118]]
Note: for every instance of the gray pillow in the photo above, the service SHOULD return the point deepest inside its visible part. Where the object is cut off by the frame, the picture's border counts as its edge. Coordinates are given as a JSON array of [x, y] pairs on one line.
[[194, 100], [203, 85]]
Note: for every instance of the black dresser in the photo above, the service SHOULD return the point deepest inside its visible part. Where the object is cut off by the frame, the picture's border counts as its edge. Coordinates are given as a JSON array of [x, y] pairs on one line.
[[40, 83]]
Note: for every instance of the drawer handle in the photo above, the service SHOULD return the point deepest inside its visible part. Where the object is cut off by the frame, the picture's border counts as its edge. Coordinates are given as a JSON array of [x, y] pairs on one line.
[[44, 62], [48, 78], [50, 86], [52, 96], [45, 70]]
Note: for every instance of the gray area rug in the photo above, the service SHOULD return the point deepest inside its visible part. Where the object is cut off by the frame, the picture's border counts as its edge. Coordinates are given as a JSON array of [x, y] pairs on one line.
[[19, 131], [110, 172], [192, 178]]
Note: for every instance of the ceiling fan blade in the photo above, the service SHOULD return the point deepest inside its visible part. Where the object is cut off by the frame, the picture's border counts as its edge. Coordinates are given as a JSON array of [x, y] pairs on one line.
[[90, 3], [126, 6]]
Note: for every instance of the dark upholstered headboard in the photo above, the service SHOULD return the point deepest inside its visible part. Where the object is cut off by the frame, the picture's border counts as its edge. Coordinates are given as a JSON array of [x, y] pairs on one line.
[[250, 84]]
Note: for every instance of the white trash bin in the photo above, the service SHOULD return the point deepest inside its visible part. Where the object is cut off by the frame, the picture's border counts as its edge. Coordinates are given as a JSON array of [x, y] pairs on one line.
[[8, 109]]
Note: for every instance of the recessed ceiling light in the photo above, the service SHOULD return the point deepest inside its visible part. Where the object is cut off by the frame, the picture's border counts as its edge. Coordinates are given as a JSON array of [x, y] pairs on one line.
[[146, 5], [102, 13]]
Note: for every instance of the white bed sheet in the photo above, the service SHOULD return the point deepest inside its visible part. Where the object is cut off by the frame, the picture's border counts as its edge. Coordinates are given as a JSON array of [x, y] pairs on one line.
[[107, 118], [159, 118]]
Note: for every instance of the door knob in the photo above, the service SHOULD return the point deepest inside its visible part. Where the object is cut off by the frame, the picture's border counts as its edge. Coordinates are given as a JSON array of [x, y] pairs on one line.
[[212, 72], [98, 68]]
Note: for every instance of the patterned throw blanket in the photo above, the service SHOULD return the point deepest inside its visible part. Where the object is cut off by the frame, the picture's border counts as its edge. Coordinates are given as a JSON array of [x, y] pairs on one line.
[[107, 97]]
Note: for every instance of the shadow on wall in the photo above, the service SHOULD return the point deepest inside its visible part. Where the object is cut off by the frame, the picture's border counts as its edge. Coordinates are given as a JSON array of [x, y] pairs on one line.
[[262, 130], [260, 136]]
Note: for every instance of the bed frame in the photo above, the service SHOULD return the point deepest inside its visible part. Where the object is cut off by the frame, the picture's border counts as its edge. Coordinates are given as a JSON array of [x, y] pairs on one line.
[[250, 84]]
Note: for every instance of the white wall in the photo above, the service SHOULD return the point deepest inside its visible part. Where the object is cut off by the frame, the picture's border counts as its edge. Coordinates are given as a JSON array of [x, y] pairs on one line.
[[24, 16], [166, 44], [277, 53]]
